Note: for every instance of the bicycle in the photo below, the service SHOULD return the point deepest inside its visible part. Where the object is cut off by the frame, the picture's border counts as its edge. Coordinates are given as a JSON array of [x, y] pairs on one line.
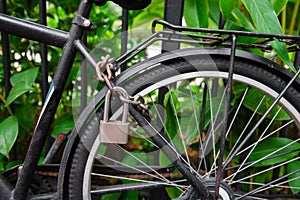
[[217, 103]]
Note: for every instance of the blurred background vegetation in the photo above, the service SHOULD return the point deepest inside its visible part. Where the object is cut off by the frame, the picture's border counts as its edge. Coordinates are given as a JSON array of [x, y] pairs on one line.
[[19, 110]]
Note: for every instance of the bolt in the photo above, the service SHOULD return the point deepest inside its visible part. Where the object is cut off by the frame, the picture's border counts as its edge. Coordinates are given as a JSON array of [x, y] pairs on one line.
[[86, 23]]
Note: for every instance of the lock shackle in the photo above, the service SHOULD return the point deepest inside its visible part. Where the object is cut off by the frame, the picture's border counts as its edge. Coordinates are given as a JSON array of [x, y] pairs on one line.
[[125, 95]]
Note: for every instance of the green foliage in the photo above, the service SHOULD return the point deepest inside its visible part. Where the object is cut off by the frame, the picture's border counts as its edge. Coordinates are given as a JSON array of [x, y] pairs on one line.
[[24, 101], [196, 12], [21, 83], [247, 15], [279, 5], [8, 134], [266, 21], [292, 168], [22, 105], [270, 145]]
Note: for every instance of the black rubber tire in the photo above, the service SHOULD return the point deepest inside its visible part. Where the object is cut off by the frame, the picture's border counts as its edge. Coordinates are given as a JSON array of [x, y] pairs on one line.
[[159, 72]]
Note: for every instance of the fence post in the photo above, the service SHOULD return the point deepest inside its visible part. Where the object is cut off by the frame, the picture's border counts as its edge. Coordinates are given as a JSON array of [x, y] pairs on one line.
[[173, 13], [5, 53]]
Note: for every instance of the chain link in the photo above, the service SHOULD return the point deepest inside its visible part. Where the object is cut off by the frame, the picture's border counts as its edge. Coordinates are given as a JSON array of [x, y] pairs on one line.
[[139, 103], [107, 76]]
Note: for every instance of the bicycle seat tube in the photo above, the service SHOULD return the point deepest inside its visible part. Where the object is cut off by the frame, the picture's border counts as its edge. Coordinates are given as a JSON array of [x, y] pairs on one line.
[[51, 103]]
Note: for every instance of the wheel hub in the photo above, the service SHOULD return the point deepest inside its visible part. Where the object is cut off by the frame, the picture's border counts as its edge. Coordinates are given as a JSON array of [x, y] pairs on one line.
[[225, 192]]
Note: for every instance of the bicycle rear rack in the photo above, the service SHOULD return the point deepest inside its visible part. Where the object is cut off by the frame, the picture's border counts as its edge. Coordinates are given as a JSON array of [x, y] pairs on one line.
[[211, 38]]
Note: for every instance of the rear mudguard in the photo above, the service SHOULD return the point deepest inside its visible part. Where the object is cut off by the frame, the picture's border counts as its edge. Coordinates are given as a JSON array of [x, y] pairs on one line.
[[89, 110]]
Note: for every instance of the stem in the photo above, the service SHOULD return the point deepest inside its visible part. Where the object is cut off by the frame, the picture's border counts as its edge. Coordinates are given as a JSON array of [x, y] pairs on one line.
[[8, 107], [293, 20], [283, 20]]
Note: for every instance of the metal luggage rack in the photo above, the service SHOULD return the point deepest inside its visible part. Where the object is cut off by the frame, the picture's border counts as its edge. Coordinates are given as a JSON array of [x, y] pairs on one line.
[[210, 38]]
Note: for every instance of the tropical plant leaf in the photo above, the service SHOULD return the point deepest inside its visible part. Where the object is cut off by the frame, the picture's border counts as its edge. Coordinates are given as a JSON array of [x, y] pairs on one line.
[[196, 13], [163, 159], [255, 98], [171, 103], [9, 129], [281, 50], [226, 6], [278, 5], [295, 183], [270, 145], [242, 19], [214, 13], [266, 21], [144, 19]]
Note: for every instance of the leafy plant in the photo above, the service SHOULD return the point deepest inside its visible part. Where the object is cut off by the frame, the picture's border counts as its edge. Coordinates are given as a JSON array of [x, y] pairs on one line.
[[20, 108]]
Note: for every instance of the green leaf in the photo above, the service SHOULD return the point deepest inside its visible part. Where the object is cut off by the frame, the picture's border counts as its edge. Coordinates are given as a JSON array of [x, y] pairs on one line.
[[278, 5], [254, 98], [131, 195], [63, 125], [280, 48], [270, 145], [13, 164], [19, 89], [242, 19], [295, 183], [265, 19], [135, 158], [226, 6], [196, 13], [111, 196], [9, 129], [263, 16], [26, 115], [164, 160], [171, 103], [214, 11], [27, 77], [144, 19], [22, 82], [173, 192]]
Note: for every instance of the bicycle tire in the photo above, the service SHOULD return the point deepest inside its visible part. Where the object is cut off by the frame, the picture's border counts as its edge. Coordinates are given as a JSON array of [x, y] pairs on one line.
[[259, 78]]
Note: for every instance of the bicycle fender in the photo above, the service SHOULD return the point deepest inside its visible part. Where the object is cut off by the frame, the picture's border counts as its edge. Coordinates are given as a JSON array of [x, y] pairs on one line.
[[182, 53]]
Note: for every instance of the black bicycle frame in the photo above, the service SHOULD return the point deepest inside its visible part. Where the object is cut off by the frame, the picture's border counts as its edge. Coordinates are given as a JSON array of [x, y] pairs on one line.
[[56, 38], [71, 43]]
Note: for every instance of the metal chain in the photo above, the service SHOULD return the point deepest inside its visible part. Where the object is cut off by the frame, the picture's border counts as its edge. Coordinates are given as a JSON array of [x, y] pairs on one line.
[[136, 101], [106, 78]]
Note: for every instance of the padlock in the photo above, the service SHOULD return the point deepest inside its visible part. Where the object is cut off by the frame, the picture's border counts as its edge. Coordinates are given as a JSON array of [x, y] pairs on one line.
[[114, 131]]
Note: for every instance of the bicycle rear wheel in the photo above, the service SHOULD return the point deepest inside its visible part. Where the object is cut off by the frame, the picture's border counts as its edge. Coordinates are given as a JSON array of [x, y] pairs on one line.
[[190, 117]]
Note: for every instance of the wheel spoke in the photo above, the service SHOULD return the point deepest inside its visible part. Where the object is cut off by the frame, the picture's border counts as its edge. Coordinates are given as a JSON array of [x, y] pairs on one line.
[[174, 183], [268, 185], [255, 144], [213, 132], [245, 128], [181, 133], [263, 171], [161, 156]]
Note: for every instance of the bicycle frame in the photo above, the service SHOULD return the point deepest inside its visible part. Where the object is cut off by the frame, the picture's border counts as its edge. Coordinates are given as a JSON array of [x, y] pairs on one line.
[[70, 42], [56, 38]]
